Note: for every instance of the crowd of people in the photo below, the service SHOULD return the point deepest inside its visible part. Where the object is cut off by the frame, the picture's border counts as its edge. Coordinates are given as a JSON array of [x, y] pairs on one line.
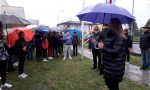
[[44, 46], [110, 47]]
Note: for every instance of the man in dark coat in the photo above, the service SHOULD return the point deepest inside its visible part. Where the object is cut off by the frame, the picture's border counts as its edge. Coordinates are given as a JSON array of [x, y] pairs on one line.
[[145, 47], [128, 45], [75, 42], [95, 51]]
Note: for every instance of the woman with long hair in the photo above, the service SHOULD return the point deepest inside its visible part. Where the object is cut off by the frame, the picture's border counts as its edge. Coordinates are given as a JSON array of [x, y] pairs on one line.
[[113, 49]]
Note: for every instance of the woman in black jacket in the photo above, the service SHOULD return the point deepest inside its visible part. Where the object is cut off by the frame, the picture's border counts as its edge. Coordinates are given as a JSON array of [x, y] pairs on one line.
[[113, 49], [21, 48]]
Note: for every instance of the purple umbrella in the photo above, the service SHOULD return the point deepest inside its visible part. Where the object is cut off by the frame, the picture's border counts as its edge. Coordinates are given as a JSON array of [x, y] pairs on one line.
[[102, 13]]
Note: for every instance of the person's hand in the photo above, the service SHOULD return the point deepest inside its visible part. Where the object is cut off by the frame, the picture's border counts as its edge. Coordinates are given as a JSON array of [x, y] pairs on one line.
[[9, 46], [100, 45], [149, 49], [93, 41], [90, 50], [24, 48]]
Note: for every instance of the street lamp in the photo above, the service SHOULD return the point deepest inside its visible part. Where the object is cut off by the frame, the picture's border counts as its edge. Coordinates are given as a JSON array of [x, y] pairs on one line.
[[58, 14]]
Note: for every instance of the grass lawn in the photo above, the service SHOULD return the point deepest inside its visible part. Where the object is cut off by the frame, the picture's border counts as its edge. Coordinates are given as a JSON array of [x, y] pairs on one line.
[[63, 75]]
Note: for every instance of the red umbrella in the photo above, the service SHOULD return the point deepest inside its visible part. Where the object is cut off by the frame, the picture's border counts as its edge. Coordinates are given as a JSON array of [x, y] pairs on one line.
[[13, 36]]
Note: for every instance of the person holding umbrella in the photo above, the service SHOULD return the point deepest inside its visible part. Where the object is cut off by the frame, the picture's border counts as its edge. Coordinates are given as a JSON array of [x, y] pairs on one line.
[[3, 59], [113, 50], [21, 48]]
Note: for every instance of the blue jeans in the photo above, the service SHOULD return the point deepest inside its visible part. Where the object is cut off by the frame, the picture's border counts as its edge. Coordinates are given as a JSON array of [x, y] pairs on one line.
[[145, 58], [30, 53]]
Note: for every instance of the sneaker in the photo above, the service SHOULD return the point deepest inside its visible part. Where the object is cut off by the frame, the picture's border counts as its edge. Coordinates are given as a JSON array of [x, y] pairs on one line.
[[45, 60], [6, 85], [50, 58], [22, 76], [0, 78], [70, 58], [64, 58], [16, 64], [25, 75], [0, 88]]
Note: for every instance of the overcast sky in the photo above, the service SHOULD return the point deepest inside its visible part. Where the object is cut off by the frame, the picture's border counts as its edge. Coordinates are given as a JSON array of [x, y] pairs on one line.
[[47, 10]]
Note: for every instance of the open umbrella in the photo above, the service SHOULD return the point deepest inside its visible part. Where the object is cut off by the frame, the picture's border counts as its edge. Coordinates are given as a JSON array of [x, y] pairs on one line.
[[42, 29], [102, 13], [13, 36], [79, 33], [13, 20]]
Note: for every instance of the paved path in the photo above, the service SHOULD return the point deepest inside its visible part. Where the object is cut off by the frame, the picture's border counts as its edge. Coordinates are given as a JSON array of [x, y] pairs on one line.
[[132, 72]]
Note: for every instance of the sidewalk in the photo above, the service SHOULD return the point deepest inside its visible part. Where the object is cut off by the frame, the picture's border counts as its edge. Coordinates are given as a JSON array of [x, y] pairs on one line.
[[132, 72]]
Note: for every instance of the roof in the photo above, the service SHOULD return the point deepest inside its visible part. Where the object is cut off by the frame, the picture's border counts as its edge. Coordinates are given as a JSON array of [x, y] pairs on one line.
[[74, 22]]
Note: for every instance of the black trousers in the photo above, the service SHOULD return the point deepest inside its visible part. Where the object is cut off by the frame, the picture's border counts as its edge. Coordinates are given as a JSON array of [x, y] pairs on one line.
[[127, 55], [21, 63], [55, 51], [75, 50], [38, 53], [96, 54], [44, 53], [60, 48], [3, 66], [112, 84]]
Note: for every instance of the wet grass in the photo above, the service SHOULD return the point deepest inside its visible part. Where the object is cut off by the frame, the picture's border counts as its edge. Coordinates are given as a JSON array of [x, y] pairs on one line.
[[63, 75]]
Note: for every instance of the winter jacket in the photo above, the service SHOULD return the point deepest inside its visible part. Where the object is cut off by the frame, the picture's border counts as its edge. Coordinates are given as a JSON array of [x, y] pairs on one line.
[[91, 45], [128, 41], [75, 40], [38, 41], [67, 40], [145, 41], [3, 50], [45, 43], [113, 56], [20, 43], [51, 41]]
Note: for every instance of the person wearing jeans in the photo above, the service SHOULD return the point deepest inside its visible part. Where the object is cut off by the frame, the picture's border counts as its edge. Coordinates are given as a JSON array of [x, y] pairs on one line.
[[67, 44], [3, 59], [145, 47]]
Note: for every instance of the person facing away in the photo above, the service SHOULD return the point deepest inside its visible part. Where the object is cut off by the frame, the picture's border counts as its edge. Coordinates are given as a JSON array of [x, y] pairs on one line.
[[75, 42], [3, 59], [44, 47], [145, 47], [67, 44], [38, 46], [113, 50], [55, 51], [128, 45], [21, 48], [50, 45], [95, 51], [60, 43]]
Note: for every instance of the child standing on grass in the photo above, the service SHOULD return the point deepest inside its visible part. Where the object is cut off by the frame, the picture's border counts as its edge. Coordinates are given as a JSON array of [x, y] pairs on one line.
[[67, 44]]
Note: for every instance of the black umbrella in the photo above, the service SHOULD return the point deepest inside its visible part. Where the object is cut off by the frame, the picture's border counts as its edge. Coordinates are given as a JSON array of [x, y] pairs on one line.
[[12, 19]]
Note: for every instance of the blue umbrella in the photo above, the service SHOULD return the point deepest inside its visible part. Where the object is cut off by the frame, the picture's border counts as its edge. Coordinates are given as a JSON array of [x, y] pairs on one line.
[[42, 29], [79, 33], [102, 13]]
